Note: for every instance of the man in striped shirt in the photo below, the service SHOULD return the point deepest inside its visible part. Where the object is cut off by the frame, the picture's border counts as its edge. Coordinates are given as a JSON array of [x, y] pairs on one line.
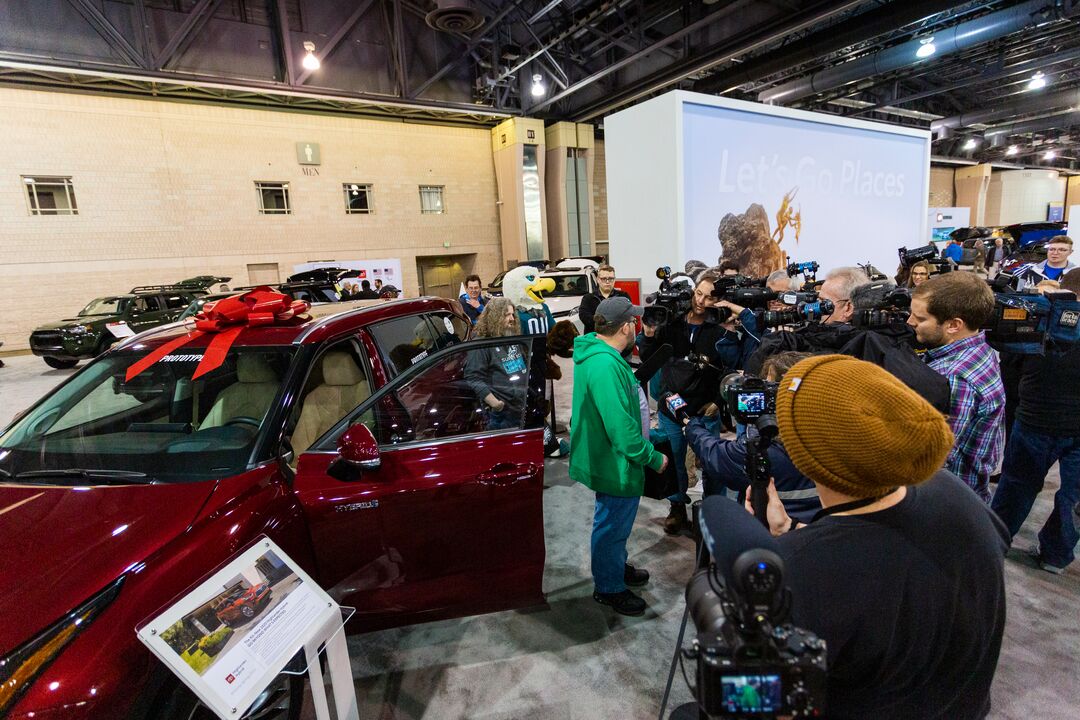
[[947, 312]]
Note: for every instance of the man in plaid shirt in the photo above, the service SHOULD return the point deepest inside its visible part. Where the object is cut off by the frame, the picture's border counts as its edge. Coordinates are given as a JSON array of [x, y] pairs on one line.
[[947, 312]]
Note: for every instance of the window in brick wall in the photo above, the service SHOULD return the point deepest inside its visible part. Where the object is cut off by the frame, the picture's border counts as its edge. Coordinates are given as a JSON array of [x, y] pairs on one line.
[[50, 195], [357, 199], [431, 200], [273, 198]]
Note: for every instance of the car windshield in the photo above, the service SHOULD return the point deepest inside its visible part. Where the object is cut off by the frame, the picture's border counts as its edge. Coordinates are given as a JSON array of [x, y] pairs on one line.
[[160, 423], [567, 285], [105, 306]]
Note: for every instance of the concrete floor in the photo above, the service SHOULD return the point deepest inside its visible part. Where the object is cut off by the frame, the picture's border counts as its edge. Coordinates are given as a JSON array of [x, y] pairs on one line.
[[575, 659]]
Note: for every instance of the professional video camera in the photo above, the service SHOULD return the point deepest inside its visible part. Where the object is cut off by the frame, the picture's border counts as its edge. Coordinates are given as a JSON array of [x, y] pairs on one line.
[[1029, 323], [805, 311], [673, 299], [880, 305], [750, 661], [746, 291], [926, 253]]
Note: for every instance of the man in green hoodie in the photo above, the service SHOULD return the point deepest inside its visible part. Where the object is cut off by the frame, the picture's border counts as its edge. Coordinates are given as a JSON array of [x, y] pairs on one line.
[[611, 448]]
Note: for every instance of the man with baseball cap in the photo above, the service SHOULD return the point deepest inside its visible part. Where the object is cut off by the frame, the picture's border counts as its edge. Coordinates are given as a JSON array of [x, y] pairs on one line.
[[901, 572], [609, 437]]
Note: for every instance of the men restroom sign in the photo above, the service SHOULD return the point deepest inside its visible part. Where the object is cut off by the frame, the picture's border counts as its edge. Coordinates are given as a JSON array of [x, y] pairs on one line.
[[307, 153]]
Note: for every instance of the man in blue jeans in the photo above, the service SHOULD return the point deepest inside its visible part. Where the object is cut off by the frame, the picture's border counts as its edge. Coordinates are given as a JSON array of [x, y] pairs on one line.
[[611, 451], [1046, 430], [697, 332]]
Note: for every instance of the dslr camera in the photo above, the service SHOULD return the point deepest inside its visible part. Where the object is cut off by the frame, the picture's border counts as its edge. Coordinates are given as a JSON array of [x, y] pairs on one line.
[[748, 398], [750, 661]]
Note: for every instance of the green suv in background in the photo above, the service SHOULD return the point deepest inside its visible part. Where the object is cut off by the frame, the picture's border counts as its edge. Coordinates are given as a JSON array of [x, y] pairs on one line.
[[107, 319]]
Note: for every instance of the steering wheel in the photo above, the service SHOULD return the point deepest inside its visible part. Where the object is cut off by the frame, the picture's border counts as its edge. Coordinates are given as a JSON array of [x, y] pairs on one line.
[[242, 420]]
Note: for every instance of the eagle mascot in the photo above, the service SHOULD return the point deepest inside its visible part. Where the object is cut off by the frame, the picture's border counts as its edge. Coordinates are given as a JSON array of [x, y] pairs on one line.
[[524, 286]]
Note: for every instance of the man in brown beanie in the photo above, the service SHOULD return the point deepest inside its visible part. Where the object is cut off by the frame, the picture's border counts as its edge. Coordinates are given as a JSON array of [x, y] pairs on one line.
[[901, 573]]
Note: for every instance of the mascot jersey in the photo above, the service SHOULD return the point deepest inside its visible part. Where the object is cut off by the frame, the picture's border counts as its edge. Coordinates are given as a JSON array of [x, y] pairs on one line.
[[523, 287]]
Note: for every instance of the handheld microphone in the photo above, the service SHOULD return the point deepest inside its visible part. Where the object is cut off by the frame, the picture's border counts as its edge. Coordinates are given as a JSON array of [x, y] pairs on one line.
[[657, 360], [672, 405]]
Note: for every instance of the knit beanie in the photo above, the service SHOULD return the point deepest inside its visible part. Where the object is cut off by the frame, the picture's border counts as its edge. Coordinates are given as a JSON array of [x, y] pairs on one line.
[[853, 427]]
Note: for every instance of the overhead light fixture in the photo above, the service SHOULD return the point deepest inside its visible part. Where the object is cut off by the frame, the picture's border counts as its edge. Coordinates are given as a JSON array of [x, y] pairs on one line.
[[1038, 81], [310, 62], [926, 47], [1050, 155], [970, 144], [538, 88], [1012, 150]]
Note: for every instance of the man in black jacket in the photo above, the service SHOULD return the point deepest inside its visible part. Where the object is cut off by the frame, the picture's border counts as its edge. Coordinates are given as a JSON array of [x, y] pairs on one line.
[[697, 333], [902, 572], [1046, 430], [724, 461], [605, 278]]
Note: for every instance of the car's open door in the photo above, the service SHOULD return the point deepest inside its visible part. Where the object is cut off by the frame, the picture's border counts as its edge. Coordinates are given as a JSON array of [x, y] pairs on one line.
[[425, 501]]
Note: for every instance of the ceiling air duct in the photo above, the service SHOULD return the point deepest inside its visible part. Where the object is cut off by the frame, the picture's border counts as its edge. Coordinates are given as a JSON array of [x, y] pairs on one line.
[[454, 16]]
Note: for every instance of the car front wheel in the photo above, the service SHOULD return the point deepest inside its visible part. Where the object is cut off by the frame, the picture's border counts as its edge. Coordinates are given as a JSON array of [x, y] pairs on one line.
[[60, 363]]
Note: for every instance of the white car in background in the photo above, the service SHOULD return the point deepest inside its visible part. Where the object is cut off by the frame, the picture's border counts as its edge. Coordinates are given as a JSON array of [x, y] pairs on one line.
[[574, 279]]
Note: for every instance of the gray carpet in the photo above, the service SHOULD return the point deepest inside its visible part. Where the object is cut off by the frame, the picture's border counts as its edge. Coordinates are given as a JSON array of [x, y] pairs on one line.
[[575, 659]]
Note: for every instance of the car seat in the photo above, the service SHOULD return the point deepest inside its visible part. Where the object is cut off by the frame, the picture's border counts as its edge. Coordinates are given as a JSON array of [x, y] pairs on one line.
[[344, 387], [250, 396]]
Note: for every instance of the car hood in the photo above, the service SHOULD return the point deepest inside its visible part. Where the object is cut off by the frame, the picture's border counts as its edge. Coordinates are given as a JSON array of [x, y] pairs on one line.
[[68, 322], [63, 544]]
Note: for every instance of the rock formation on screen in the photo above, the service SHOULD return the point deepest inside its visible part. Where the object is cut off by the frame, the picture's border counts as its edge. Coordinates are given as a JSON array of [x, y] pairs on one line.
[[747, 240]]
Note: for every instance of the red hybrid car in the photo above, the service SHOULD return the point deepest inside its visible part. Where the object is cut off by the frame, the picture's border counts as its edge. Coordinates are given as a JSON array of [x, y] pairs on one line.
[[358, 442], [243, 605]]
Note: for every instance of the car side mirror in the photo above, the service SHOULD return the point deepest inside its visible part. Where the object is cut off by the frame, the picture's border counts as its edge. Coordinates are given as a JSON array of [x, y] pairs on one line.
[[357, 451]]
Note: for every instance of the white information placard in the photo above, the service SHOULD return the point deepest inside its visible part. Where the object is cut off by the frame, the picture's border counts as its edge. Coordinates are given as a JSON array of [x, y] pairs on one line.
[[230, 636]]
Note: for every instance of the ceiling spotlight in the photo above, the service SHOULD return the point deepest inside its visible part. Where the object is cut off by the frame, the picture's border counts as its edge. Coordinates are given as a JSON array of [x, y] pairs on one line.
[[538, 88], [1038, 80], [970, 144], [1012, 150], [926, 47], [310, 62], [1050, 155]]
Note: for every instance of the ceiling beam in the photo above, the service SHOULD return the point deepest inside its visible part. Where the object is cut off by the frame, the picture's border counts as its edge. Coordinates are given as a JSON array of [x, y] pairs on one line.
[[193, 25], [109, 33], [473, 44], [284, 38]]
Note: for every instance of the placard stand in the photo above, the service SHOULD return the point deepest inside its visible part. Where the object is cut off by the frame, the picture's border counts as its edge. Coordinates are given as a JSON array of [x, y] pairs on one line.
[[331, 640]]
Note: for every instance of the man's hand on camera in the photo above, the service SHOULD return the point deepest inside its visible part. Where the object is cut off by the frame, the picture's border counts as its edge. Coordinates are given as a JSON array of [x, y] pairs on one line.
[[735, 309], [779, 521]]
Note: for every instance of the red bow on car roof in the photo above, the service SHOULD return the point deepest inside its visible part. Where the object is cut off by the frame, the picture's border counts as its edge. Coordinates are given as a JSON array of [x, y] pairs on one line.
[[227, 318]]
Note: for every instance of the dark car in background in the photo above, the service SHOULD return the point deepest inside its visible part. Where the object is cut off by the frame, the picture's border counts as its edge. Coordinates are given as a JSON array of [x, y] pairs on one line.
[[105, 320], [326, 274], [355, 441]]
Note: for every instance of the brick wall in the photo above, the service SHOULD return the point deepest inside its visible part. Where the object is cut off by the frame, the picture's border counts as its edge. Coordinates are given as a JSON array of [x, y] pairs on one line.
[[166, 190]]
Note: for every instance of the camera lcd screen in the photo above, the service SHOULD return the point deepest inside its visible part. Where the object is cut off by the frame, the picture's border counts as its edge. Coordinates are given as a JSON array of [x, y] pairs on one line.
[[750, 694], [751, 402]]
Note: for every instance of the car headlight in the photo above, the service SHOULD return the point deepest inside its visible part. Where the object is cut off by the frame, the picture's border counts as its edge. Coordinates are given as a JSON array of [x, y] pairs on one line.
[[19, 668], [78, 330]]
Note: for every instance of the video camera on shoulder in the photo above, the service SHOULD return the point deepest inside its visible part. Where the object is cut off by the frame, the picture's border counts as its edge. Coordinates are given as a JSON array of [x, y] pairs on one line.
[[1030, 323], [673, 299], [742, 290], [889, 305], [751, 662], [928, 254]]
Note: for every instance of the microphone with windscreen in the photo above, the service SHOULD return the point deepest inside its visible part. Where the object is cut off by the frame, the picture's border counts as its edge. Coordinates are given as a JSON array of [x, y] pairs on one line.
[[657, 360]]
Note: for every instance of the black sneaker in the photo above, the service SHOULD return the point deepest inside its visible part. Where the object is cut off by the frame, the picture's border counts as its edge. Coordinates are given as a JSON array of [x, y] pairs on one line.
[[624, 603], [634, 577], [1036, 553]]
